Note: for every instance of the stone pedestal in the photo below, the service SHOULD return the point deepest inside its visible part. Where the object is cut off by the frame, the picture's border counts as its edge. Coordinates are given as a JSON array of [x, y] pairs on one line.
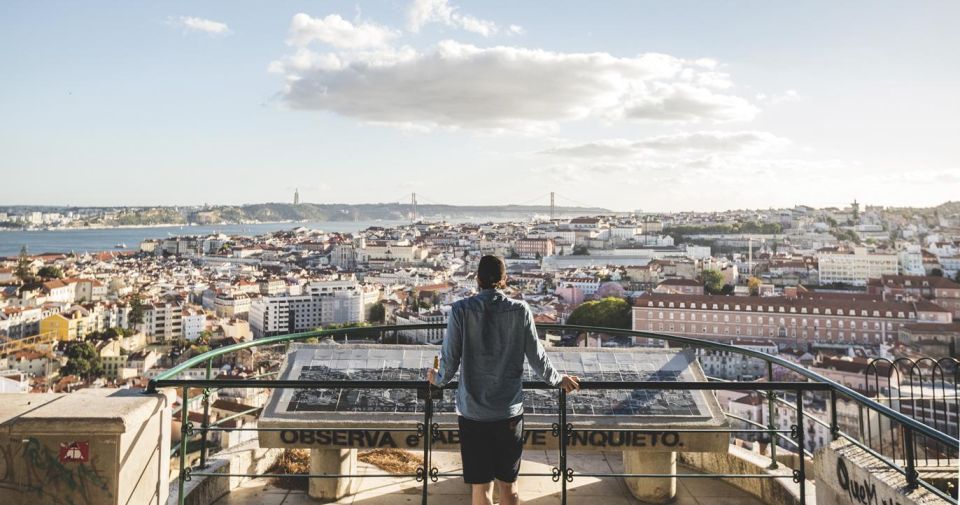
[[651, 489], [95, 446], [333, 461]]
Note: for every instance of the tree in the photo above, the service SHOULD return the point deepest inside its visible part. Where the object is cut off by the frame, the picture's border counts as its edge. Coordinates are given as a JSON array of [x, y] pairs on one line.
[[712, 281], [936, 272], [754, 285], [378, 312], [608, 312], [136, 311], [608, 289], [50, 272], [82, 361], [24, 272], [580, 250]]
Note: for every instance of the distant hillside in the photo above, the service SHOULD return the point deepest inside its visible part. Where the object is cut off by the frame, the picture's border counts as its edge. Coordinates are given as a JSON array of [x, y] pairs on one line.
[[385, 211]]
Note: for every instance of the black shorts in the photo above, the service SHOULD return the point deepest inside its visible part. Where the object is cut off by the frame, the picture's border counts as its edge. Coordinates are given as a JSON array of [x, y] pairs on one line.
[[491, 449]]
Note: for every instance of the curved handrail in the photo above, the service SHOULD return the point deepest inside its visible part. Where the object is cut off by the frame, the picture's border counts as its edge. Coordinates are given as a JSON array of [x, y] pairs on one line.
[[689, 341]]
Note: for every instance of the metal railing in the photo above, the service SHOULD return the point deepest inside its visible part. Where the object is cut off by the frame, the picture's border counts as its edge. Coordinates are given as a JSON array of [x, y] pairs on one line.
[[562, 430]]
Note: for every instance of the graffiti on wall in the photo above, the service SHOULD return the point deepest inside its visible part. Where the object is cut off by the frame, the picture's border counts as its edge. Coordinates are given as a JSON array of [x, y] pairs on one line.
[[861, 491], [30, 469]]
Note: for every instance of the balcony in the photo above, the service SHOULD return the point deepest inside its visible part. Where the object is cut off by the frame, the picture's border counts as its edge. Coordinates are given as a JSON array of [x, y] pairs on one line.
[[915, 458], [885, 454]]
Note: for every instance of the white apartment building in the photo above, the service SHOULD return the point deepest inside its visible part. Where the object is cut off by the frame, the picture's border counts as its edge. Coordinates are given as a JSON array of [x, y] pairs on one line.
[[625, 232], [432, 336], [732, 366], [856, 267], [116, 316], [587, 285], [911, 261], [59, 291], [162, 322], [19, 322], [385, 252], [231, 305], [323, 303], [194, 322]]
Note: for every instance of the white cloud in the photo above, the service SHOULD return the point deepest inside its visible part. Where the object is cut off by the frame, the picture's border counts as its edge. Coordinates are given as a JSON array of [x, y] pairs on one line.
[[423, 12], [686, 102], [463, 86], [789, 95], [338, 32], [704, 141], [193, 24]]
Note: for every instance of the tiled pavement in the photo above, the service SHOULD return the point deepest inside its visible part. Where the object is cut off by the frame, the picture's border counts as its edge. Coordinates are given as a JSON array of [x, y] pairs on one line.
[[533, 490]]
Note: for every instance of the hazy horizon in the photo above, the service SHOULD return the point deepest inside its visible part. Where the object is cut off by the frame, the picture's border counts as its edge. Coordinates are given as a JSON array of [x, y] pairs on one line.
[[422, 205]]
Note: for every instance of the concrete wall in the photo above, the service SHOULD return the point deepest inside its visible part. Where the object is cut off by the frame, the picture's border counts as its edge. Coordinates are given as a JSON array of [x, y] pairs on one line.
[[848, 475], [90, 447]]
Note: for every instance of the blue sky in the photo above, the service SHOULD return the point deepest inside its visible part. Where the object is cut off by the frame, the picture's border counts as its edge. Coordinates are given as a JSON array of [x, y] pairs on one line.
[[650, 105]]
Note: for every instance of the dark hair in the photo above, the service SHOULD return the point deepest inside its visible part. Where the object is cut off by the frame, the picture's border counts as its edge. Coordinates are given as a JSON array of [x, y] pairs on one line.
[[492, 272]]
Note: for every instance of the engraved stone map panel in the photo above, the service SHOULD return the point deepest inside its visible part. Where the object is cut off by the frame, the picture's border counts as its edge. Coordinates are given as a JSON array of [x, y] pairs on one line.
[[380, 363]]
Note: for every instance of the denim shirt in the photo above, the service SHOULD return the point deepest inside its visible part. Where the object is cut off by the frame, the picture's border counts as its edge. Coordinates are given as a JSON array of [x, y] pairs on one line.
[[490, 334]]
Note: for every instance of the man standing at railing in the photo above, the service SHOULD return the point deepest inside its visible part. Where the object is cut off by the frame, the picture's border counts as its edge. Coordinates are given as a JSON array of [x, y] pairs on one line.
[[490, 334]]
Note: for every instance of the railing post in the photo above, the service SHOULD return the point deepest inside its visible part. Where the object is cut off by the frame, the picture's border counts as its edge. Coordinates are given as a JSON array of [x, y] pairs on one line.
[[427, 439], [564, 433], [799, 475], [834, 427], [911, 469], [184, 430], [771, 419], [206, 416]]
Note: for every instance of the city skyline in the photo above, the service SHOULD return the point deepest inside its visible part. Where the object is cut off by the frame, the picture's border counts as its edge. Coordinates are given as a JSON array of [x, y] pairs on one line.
[[655, 106]]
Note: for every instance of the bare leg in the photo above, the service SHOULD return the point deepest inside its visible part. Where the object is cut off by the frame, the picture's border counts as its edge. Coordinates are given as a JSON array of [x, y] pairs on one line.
[[482, 494], [509, 493]]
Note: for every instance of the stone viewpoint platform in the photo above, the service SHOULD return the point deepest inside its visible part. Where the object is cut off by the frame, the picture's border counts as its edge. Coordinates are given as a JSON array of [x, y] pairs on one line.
[[334, 423]]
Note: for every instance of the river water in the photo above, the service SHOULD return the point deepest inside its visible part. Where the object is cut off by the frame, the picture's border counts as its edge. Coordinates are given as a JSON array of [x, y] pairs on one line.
[[106, 239]]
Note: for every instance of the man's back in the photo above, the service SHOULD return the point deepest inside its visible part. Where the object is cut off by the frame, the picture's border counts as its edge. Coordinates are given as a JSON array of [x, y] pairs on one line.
[[490, 334]]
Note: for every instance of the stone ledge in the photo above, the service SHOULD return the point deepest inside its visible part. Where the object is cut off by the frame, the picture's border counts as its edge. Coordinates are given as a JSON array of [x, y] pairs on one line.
[[780, 491], [247, 457], [847, 473]]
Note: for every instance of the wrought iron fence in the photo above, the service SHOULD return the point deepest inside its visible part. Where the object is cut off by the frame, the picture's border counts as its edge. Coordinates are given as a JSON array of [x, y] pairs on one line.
[[910, 430]]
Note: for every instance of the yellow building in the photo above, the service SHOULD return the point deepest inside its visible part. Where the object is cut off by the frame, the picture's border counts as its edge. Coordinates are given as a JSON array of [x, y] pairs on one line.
[[66, 326]]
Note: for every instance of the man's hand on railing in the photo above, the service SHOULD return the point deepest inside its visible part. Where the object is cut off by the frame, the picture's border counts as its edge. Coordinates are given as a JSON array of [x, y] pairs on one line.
[[570, 383], [432, 374]]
